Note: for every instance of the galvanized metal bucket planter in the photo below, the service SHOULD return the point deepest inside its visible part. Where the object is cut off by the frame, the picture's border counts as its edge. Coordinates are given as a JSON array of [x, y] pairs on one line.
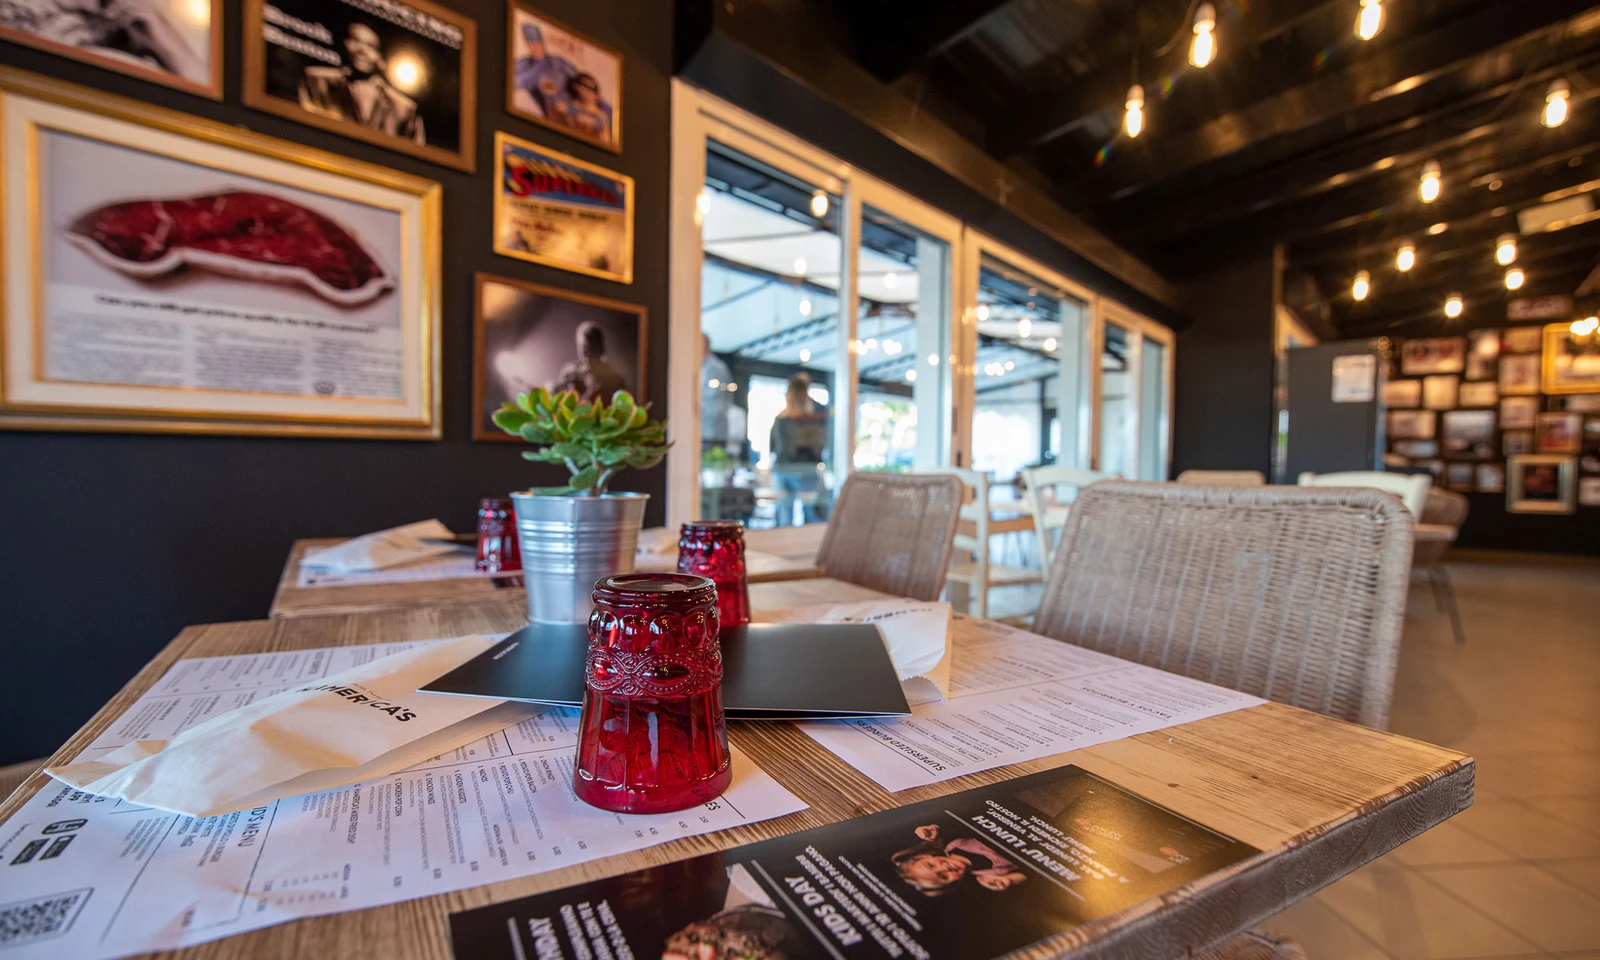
[[570, 542]]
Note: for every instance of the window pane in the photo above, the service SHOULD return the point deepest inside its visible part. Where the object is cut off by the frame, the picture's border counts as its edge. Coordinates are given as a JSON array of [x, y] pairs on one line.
[[1152, 410], [1118, 405], [1029, 396], [902, 414], [769, 316]]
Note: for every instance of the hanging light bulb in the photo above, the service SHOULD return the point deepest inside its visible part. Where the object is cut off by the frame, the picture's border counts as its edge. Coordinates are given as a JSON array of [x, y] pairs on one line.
[[1555, 103], [1049, 344], [805, 307], [1370, 20], [1515, 278], [1584, 327], [1505, 249], [819, 204], [911, 376], [1453, 306], [1428, 188], [1024, 328], [805, 356], [800, 266], [1361, 286], [892, 347], [983, 312], [702, 206], [933, 359], [1405, 258], [1203, 48], [1133, 119], [891, 279]]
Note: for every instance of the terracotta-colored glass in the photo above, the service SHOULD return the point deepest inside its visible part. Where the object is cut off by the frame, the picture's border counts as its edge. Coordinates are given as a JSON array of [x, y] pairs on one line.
[[497, 537], [652, 738], [715, 549]]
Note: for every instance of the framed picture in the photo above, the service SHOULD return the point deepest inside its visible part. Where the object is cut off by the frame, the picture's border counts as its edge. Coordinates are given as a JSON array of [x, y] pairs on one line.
[[1518, 413], [1521, 340], [526, 335], [1478, 393], [288, 291], [1582, 403], [1398, 394], [1459, 476], [1483, 348], [1540, 483], [1417, 449], [1519, 374], [1412, 424], [1589, 459], [1433, 355], [1490, 478], [1559, 433], [1468, 433], [556, 210], [1439, 392], [1571, 364], [1516, 441], [173, 42], [1589, 492], [562, 79], [398, 73], [1435, 467]]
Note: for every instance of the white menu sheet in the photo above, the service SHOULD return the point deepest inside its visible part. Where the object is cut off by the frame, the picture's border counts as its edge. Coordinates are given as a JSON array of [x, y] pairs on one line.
[[1017, 696], [454, 566], [90, 878]]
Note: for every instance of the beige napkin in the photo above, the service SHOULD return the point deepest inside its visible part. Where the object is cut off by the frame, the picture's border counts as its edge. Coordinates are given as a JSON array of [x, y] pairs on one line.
[[358, 724], [916, 632], [381, 550]]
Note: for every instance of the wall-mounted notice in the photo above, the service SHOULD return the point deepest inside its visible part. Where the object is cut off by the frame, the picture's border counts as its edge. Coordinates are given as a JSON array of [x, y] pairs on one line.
[[1355, 378]]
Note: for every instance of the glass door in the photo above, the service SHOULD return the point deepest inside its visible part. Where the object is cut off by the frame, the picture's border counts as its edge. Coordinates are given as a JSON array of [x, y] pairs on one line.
[[1135, 406]]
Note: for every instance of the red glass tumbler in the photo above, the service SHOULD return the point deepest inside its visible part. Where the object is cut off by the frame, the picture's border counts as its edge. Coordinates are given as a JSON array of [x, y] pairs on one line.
[[497, 537], [652, 738], [715, 549]]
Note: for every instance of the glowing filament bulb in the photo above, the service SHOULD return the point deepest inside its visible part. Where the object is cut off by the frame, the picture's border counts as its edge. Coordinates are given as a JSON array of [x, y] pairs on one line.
[[1453, 306], [805, 356], [1362, 286], [1505, 249], [805, 307], [1405, 258], [1584, 327], [1024, 328], [1555, 104], [819, 204], [1133, 119], [1515, 278], [1370, 20], [1203, 48], [1428, 187]]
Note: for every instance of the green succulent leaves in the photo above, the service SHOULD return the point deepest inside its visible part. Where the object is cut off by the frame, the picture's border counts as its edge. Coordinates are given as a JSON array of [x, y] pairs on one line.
[[594, 440]]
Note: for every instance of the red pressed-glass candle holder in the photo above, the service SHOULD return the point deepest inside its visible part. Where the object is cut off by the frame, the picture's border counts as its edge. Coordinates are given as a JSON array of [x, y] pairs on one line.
[[715, 549], [497, 537], [652, 738]]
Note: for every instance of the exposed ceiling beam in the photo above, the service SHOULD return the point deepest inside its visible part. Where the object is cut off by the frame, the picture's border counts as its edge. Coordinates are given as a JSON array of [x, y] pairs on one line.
[[906, 34]]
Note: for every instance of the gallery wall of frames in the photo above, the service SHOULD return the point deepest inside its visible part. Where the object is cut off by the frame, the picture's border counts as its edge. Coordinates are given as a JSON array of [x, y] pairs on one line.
[[269, 264]]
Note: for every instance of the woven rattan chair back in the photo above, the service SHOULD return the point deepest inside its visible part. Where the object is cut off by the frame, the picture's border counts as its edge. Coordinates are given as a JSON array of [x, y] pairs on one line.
[[1223, 478], [1295, 594], [893, 532]]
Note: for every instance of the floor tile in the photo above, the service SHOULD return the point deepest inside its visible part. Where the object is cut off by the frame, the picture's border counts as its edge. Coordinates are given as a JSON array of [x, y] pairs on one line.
[[1323, 933], [1448, 843], [1535, 903], [1525, 832], [1584, 874], [1582, 812], [1411, 919]]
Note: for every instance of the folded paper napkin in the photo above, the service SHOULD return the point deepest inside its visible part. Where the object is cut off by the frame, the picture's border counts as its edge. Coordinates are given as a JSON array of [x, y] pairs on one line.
[[381, 550], [359, 724], [916, 632]]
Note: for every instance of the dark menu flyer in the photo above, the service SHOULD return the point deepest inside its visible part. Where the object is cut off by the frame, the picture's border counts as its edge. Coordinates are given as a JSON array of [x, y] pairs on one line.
[[972, 875]]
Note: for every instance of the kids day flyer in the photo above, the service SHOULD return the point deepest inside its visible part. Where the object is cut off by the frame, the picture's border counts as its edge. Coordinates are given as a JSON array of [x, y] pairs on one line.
[[971, 875]]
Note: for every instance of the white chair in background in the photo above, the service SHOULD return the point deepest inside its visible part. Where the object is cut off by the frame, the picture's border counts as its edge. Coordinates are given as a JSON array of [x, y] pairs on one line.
[[1050, 493], [970, 565], [1223, 478], [1411, 488]]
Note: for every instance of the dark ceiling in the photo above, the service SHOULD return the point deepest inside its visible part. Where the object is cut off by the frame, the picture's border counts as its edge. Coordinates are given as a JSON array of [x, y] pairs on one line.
[[1299, 133]]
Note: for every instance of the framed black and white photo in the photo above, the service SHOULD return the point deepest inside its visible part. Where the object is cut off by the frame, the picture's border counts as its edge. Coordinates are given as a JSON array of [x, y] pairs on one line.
[[1518, 413], [562, 79], [1459, 476], [1516, 441], [1541, 483], [173, 42], [1412, 424], [1402, 394], [1417, 449], [1468, 434], [1490, 478], [398, 73], [526, 335]]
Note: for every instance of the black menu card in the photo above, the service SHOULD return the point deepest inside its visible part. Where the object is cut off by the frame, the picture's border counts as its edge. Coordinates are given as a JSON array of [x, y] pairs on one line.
[[770, 671], [972, 875]]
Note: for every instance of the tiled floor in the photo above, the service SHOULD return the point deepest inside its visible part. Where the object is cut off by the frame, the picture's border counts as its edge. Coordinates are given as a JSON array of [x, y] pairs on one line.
[[1518, 874]]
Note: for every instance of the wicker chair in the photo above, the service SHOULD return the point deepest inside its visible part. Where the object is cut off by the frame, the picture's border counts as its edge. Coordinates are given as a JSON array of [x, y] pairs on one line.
[[1442, 516], [1223, 478], [893, 532], [1411, 488]]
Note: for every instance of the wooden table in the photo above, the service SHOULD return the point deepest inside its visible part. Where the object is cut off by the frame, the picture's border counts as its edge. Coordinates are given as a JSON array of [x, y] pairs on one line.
[[296, 601], [1320, 797]]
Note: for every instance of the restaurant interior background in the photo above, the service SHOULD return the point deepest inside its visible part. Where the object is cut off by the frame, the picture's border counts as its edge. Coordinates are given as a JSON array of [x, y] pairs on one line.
[[933, 210]]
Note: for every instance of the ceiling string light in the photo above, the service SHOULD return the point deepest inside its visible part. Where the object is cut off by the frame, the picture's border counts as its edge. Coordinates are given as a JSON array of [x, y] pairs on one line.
[[819, 204], [1453, 306], [1405, 258], [1203, 48], [1555, 104], [1428, 187], [1585, 327], [1505, 249], [1515, 278], [1024, 328], [1361, 286], [1370, 20], [1133, 118]]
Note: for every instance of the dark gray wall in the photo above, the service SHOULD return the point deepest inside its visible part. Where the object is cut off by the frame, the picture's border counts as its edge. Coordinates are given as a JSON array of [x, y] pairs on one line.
[[110, 543]]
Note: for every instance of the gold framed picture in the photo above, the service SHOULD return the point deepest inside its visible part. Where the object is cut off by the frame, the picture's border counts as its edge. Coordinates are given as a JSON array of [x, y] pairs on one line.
[[173, 42], [557, 210], [401, 73], [528, 335], [562, 79], [1571, 362], [164, 273]]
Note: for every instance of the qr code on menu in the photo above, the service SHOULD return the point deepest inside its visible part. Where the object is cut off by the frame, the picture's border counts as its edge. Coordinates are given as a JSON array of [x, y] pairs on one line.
[[41, 918]]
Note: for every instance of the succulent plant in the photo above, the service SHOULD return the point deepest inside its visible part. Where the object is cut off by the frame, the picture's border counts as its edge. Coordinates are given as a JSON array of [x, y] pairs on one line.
[[594, 439]]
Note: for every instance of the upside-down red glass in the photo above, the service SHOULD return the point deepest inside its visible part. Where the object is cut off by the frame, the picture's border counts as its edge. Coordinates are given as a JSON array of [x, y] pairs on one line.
[[497, 537], [715, 549], [652, 738]]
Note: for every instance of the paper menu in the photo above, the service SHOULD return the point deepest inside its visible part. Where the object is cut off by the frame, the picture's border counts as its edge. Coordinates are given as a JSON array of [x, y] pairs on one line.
[[91, 878], [1017, 696], [453, 566]]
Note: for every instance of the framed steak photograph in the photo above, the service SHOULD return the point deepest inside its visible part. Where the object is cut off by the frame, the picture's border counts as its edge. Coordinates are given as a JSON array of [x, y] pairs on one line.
[[562, 79], [165, 273], [173, 42], [557, 210], [526, 335], [398, 73]]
